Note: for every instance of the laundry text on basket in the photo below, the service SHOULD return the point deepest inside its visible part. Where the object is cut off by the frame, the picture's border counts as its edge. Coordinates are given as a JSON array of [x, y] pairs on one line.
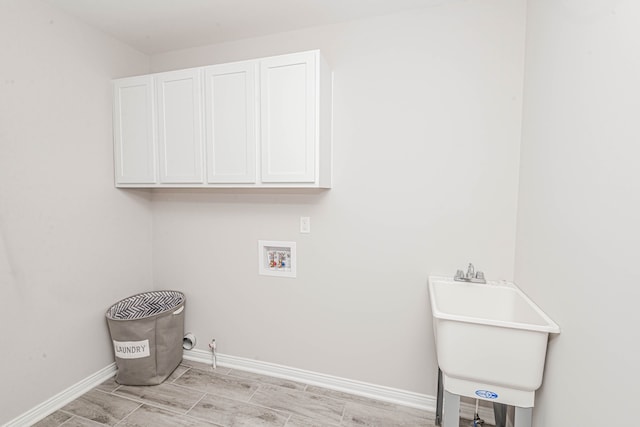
[[131, 349]]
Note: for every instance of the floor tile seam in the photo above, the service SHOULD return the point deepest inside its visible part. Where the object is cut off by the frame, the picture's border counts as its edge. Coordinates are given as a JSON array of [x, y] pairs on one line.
[[110, 394], [230, 374], [287, 420], [246, 402], [280, 411], [108, 391], [271, 383], [66, 413], [194, 418], [175, 410], [68, 420], [141, 402], [301, 415], [391, 411], [377, 404], [236, 378], [344, 411], [176, 378], [217, 370], [324, 396], [295, 390], [196, 390], [226, 378], [221, 394], [312, 420], [100, 391], [257, 405], [113, 393], [125, 417], [128, 415], [195, 404], [187, 388], [233, 380], [354, 399], [341, 402], [254, 392]]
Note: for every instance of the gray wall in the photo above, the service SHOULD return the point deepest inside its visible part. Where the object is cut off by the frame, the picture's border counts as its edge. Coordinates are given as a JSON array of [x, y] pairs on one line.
[[427, 130], [578, 234], [70, 243], [426, 148]]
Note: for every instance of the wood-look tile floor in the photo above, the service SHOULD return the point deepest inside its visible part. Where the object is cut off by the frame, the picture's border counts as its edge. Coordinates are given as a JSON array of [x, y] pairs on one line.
[[197, 395]]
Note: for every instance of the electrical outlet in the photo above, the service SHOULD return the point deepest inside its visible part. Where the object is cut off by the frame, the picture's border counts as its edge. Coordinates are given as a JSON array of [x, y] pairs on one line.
[[305, 224]]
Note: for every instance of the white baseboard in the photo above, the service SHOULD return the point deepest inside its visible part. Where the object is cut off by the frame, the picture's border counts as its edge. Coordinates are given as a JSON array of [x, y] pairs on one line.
[[61, 399], [359, 388]]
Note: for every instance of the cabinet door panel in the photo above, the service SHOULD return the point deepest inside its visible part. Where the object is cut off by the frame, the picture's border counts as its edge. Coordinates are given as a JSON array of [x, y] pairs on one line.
[[230, 101], [180, 134], [134, 130], [288, 118]]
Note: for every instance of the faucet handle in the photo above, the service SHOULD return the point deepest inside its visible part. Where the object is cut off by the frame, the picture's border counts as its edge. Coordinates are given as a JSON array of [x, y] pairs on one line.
[[470, 272], [459, 274], [480, 275]]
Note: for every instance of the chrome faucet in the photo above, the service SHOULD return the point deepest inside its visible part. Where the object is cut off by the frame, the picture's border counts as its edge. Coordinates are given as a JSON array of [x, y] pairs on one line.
[[472, 275], [471, 272]]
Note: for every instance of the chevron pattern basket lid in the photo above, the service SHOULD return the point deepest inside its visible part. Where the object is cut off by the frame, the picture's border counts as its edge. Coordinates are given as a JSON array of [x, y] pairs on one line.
[[145, 305]]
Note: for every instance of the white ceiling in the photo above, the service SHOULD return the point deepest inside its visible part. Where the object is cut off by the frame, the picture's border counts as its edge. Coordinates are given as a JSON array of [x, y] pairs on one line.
[[154, 26]]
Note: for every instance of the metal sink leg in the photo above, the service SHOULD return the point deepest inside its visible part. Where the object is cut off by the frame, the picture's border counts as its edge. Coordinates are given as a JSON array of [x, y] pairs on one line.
[[523, 417], [451, 410], [500, 414], [439, 399]]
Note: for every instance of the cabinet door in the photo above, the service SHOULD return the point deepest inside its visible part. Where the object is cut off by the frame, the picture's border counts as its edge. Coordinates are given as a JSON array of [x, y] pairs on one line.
[[230, 109], [134, 130], [288, 117], [180, 133]]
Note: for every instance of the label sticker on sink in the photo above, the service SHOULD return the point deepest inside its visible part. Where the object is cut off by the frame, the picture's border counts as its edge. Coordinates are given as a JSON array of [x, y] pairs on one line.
[[486, 394]]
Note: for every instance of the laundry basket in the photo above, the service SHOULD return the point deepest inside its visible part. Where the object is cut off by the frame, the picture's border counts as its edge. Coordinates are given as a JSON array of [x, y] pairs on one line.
[[147, 331]]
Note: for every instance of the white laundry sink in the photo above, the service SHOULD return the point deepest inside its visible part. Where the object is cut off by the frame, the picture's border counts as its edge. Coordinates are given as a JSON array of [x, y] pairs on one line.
[[491, 340]]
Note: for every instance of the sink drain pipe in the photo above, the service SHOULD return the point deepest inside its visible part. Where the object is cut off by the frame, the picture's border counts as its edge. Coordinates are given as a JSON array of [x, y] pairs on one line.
[[477, 421], [214, 356], [189, 341]]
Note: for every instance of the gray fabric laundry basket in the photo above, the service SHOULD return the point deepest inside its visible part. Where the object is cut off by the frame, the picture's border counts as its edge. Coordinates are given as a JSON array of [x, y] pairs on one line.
[[147, 331]]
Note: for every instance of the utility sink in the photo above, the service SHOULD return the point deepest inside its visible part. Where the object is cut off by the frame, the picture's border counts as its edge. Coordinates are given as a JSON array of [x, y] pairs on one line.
[[491, 340]]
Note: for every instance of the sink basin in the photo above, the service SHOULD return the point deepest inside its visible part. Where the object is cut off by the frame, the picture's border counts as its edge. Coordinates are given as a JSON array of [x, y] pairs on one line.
[[491, 340]]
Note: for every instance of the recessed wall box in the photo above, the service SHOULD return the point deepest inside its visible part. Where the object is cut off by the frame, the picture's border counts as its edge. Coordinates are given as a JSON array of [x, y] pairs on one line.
[[276, 258]]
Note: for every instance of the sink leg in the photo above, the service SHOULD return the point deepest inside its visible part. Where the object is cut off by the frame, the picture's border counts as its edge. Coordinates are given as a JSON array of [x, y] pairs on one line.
[[500, 414], [439, 399], [451, 412], [523, 417]]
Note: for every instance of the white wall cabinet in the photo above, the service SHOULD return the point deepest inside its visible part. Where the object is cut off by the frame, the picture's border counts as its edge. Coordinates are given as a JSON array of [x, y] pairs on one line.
[[258, 123], [231, 119], [288, 111], [180, 132], [134, 131]]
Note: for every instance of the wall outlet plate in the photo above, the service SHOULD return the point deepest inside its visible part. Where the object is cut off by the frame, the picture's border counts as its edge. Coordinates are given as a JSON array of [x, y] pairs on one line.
[[305, 224]]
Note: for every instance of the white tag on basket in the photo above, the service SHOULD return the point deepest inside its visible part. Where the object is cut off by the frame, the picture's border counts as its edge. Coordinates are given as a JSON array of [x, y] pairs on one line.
[[178, 311], [131, 349]]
